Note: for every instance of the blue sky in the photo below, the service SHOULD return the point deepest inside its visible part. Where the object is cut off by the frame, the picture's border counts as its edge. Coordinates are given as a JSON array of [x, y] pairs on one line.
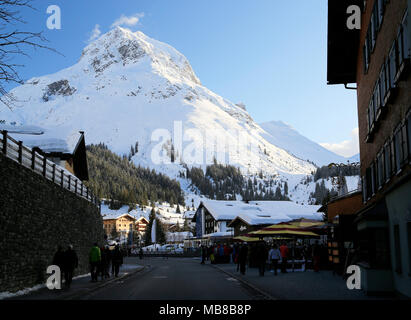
[[269, 54]]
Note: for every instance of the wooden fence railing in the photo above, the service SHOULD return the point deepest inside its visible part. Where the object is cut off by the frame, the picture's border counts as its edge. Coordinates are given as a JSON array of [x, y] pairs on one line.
[[29, 158]]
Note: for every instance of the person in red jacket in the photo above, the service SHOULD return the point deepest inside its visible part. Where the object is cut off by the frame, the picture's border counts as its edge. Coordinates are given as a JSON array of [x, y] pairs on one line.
[[284, 256]]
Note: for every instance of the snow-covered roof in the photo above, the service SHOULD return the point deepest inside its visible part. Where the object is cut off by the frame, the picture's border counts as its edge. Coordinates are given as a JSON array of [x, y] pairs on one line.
[[219, 234], [189, 214], [48, 140], [108, 213], [261, 212], [111, 217]]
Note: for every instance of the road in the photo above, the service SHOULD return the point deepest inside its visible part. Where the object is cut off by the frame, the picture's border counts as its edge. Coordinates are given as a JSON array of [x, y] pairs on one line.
[[174, 279]]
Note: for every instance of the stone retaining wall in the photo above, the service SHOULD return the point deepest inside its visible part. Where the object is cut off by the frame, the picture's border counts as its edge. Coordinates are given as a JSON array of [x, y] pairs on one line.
[[36, 215]]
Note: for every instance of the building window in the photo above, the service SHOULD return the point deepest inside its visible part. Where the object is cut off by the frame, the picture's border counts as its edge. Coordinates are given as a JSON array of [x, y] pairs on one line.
[[377, 100], [381, 169], [403, 47], [383, 85], [398, 149], [371, 115], [393, 57], [366, 58], [373, 32], [368, 183], [376, 18], [381, 10], [387, 161], [397, 249], [393, 162], [367, 50], [373, 178]]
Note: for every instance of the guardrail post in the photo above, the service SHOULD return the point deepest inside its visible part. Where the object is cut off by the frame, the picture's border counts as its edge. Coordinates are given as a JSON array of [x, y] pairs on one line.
[[81, 189], [69, 183], [44, 166], [75, 187], [33, 159], [87, 192], [20, 152], [62, 178], [5, 142]]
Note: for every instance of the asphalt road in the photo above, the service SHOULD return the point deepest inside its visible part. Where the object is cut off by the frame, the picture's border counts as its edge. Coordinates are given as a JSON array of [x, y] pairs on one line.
[[173, 279]]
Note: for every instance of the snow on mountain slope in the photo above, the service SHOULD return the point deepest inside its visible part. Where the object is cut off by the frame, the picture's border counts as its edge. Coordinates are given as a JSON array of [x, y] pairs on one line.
[[286, 137], [129, 88]]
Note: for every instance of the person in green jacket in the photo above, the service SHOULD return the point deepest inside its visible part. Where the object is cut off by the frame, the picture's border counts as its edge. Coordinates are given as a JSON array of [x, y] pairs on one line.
[[95, 259]]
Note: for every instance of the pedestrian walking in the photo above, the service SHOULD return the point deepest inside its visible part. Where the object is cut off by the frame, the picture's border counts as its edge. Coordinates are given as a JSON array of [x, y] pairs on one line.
[[94, 259], [203, 254], [58, 260], [70, 263], [261, 257], [117, 260], [274, 256], [140, 253], [243, 257], [104, 263], [284, 257]]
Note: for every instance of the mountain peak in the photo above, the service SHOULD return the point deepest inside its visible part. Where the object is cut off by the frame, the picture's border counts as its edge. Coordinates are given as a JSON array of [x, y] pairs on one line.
[[121, 45]]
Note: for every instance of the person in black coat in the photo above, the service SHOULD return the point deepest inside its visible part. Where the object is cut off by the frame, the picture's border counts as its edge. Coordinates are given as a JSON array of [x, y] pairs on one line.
[[261, 258], [70, 263], [117, 260], [203, 253], [58, 260], [104, 264], [242, 257]]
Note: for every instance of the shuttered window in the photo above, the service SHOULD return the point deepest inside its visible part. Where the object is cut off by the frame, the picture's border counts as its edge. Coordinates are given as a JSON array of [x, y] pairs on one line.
[[393, 65], [387, 161]]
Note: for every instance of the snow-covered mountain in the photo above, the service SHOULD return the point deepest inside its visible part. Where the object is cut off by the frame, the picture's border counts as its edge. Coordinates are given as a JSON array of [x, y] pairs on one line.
[[129, 89], [286, 137]]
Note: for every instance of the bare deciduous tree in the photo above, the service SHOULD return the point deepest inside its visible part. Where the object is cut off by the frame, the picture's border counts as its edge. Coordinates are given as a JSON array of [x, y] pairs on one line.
[[14, 42]]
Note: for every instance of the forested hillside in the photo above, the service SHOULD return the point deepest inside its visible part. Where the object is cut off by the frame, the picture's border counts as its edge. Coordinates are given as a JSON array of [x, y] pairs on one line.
[[224, 182], [114, 177]]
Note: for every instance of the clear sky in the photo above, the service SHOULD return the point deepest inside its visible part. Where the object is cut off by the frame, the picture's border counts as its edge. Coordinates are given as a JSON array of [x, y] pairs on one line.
[[269, 54]]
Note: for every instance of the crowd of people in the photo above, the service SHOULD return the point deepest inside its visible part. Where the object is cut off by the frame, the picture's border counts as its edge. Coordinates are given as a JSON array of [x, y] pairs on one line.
[[262, 255], [101, 259]]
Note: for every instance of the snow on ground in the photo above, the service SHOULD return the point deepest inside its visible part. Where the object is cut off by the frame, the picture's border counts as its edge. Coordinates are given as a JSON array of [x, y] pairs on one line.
[[286, 137], [300, 191], [6, 295]]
